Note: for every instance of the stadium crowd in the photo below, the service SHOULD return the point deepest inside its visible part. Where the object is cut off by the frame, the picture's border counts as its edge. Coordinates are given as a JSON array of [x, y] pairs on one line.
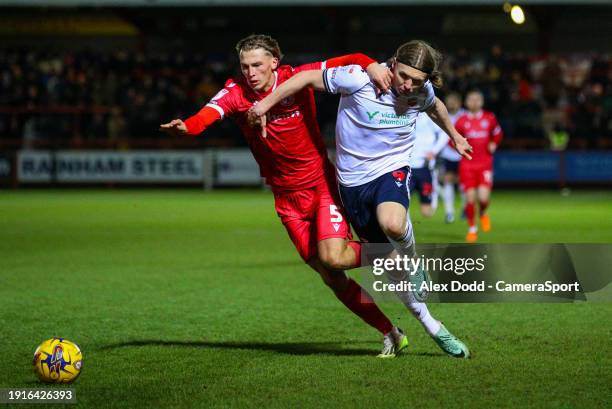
[[84, 97]]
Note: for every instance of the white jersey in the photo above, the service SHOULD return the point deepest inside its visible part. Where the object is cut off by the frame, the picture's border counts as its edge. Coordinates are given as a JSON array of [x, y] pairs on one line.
[[429, 139], [374, 135], [450, 153]]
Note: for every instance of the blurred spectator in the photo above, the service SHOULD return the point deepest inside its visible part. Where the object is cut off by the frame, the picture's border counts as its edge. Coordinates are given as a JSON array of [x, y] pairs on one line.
[[123, 95]]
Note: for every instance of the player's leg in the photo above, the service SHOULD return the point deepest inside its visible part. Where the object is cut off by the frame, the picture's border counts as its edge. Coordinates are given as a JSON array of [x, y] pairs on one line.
[[468, 185], [335, 248], [297, 211], [392, 203], [348, 291], [356, 199], [379, 213], [394, 220], [426, 192], [339, 253], [395, 223], [448, 191], [470, 209], [484, 196], [435, 189], [419, 183], [353, 296]]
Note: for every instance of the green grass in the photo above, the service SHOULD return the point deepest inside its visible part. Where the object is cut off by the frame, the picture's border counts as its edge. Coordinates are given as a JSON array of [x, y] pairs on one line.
[[191, 299]]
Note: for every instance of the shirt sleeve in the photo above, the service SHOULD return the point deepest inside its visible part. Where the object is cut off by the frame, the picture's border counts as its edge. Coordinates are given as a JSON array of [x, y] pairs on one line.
[[345, 80], [428, 96], [310, 66], [222, 104], [496, 131], [197, 123], [357, 58], [224, 101]]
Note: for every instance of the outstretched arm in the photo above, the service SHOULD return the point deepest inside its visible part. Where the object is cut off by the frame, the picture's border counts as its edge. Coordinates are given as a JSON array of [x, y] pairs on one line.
[[379, 74], [439, 114], [193, 125]]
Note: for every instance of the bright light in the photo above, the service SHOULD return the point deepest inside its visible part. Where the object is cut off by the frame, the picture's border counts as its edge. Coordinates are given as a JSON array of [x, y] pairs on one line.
[[517, 15]]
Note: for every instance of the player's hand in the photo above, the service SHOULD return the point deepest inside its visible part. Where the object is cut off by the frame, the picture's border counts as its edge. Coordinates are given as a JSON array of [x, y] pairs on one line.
[[176, 127], [252, 119], [429, 156], [381, 76], [257, 116], [463, 147], [492, 147]]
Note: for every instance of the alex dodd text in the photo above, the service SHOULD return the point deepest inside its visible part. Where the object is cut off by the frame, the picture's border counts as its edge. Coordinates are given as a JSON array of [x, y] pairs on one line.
[[477, 286]]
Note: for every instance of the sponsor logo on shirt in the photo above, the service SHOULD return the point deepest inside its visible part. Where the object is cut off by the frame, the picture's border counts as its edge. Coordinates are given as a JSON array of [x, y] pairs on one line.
[[219, 95], [388, 118], [284, 115]]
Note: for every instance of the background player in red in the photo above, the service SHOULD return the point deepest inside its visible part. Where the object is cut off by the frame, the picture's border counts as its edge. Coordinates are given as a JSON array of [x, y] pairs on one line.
[[293, 159], [476, 176]]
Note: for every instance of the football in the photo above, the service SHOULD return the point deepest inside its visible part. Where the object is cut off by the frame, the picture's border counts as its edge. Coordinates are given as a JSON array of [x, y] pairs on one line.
[[57, 360]]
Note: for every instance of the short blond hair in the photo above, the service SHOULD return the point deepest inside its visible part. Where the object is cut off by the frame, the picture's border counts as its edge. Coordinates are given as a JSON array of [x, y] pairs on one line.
[[255, 41]]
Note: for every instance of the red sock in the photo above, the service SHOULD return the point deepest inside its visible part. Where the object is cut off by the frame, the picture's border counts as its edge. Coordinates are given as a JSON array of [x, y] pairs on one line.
[[483, 207], [356, 246], [361, 304], [469, 213]]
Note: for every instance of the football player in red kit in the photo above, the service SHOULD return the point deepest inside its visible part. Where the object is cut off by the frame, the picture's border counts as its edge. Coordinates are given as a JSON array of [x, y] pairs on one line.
[[293, 159], [476, 176]]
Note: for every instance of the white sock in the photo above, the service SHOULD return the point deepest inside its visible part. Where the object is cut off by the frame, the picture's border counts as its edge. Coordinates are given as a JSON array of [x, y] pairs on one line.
[[421, 313], [406, 246], [418, 309], [435, 194], [449, 198]]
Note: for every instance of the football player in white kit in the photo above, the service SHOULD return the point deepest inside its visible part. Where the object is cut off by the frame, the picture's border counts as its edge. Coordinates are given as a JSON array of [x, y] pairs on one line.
[[429, 141], [450, 160], [374, 139]]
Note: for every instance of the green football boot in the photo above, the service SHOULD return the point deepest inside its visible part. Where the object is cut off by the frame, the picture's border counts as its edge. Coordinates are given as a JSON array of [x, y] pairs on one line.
[[451, 344]]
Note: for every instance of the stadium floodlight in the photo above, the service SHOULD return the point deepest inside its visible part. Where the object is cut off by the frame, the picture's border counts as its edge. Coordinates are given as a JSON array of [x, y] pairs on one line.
[[517, 15]]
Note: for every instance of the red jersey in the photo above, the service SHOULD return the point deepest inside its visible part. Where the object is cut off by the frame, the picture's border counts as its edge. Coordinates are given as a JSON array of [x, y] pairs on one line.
[[292, 156], [480, 129]]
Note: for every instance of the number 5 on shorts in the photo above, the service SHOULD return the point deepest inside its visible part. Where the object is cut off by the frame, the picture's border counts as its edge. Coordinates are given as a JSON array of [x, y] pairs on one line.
[[336, 216]]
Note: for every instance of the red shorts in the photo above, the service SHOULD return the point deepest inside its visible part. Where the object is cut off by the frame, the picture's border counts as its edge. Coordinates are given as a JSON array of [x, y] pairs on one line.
[[471, 176], [311, 215]]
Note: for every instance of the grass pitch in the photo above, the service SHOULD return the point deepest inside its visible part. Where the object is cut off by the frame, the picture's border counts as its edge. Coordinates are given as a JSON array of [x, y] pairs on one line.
[[191, 299]]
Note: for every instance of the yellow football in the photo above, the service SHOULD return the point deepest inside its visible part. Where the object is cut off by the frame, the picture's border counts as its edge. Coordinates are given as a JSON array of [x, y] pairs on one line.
[[57, 360]]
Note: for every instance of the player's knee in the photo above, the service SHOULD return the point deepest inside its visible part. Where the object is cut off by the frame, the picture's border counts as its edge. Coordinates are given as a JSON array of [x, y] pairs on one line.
[[393, 227], [470, 196], [331, 258]]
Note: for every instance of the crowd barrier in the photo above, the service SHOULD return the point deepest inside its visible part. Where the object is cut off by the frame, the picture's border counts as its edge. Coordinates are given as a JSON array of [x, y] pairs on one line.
[[237, 167]]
